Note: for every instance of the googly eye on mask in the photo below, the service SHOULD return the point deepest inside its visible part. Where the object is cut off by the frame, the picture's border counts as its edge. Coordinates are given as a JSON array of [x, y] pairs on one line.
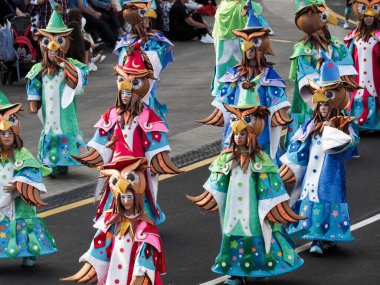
[[324, 16]]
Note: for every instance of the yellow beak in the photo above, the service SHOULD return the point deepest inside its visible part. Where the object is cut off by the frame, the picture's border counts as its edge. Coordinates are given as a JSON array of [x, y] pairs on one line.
[[53, 46], [124, 85], [239, 126], [370, 12], [5, 125], [319, 97], [122, 185], [151, 14], [332, 19], [247, 45]]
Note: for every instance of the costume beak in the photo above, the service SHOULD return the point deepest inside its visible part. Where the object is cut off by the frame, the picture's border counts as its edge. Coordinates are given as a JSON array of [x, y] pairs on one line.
[[332, 19], [319, 97], [247, 45], [239, 126], [53, 46], [370, 12], [5, 125], [151, 14], [122, 185], [124, 85]]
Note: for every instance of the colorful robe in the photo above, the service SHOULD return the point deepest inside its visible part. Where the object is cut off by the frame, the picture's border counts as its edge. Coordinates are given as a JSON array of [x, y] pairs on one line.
[[146, 137], [60, 136], [365, 104], [272, 95], [22, 233], [319, 165], [227, 47], [251, 245], [303, 67], [137, 251], [159, 50]]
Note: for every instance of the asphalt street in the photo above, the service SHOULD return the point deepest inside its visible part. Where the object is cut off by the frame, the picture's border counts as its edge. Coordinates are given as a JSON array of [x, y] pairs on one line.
[[191, 237]]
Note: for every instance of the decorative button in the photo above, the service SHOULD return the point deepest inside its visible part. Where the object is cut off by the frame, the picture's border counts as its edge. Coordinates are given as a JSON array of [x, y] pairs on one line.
[[258, 166]]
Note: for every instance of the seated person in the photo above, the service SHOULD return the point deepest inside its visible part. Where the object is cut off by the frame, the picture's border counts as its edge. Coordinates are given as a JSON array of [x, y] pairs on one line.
[[94, 20], [8, 10], [185, 26], [109, 15]]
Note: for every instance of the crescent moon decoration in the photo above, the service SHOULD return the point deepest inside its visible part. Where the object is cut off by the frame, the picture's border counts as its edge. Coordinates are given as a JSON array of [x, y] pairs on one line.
[[135, 65]]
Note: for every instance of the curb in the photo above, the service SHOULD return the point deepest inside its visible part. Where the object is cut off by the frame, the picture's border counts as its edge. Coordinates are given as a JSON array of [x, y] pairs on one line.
[[87, 191]]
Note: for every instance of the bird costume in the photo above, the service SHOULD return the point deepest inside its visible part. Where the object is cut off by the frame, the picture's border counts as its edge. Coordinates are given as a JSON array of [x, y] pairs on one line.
[[364, 45], [135, 127], [246, 188], [316, 162], [312, 18], [52, 86], [22, 233], [127, 248]]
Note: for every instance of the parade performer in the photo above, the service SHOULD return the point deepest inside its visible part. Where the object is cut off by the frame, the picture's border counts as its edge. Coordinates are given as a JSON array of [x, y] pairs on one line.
[[127, 248], [312, 18], [52, 86], [364, 45], [139, 15], [316, 162], [22, 233], [133, 126], [254, 71], [247, 189]]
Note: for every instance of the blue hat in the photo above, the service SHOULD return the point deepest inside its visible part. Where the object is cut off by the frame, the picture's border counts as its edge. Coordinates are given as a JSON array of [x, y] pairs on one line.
[[329, 73]]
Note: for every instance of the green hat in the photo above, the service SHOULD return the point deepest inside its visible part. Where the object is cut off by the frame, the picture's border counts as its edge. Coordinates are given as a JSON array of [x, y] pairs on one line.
[[300, 4], [5, 104], [56, 24], [249, 98]]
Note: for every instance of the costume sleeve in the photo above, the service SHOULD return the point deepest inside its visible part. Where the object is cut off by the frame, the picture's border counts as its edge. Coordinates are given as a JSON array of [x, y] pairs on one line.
[[217, 183], [99, 141], [144, 263], [335, 141], [305, 70], [31, 176], [270, 191], [297, 157], [34, 88]]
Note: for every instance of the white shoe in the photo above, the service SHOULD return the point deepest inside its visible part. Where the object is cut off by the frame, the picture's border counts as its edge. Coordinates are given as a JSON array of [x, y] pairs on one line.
[[207, 39], [102, 58], [346, 25], [92, 66], [96, 58]]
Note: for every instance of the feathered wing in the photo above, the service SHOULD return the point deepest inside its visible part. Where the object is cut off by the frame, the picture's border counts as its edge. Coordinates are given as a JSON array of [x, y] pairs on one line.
[[87, 274], [205, 201], [282, 213], [92, 158], [161, 163], [216, 118], [30, 194], [281, 118]]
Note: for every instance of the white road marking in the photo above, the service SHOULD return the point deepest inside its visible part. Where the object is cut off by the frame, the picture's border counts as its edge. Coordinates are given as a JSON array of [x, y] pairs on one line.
[[280, 41], [304, 247]]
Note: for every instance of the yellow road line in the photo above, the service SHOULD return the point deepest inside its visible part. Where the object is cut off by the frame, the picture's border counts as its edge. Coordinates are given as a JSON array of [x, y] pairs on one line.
[[340, 17], [91, 200]]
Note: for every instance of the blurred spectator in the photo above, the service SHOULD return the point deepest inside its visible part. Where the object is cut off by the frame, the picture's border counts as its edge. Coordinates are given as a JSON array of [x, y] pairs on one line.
[[347, 12], [94, 20], [77, 47], [108, 11], [166, 5], [185, 25], [43, 10], [8, 10]]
